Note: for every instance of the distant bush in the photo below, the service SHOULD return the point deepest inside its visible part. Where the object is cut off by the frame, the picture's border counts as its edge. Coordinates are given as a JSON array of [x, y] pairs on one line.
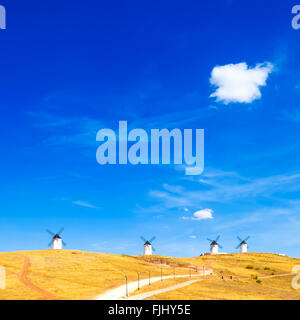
[[257, 268], [273, 273], [254, 276], [266, 268], [249, 266], [258, 281]]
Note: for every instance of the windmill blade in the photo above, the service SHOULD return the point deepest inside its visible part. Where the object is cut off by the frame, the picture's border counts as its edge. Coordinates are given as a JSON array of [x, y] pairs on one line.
[[153, 249], [50, 232], [240, 240], [220, 246], [238, 246], [247, 238], [152, 239], [143, 238], [49, 244], [60, 231], [218, 237], [64, 243], [209, 240]]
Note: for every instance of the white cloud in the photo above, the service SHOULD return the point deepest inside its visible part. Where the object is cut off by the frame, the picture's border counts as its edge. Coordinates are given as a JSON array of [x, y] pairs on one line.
[[84, 204], [238, 82], [193, 237], [201, 215]]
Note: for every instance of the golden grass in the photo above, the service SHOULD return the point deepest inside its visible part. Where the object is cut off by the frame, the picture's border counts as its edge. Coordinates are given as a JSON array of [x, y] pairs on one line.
[[71, 274], [245, 269], [234, 290]]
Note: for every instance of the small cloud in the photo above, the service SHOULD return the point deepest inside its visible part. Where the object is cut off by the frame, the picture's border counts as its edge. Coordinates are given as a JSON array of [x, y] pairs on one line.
[[201, 215], [186, 209], [238, 82], [193, 237], [84, 204]]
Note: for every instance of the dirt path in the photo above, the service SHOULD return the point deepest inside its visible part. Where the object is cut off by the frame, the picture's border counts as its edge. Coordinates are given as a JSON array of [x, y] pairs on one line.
[[23, 278], [147, 295], [119, 293]]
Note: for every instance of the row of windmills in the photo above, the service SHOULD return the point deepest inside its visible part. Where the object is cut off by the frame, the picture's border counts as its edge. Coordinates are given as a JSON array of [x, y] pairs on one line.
[[57, 243], [214, 245]]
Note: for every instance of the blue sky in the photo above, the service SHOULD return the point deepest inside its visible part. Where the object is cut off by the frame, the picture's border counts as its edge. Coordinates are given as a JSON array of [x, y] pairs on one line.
[[71, 68]]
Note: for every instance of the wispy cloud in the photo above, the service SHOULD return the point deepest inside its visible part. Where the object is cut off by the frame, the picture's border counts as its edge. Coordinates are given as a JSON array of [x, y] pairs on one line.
[[292, 114], [238, 82], [84, 204], [249, 218], [72, 131], [222, 188]]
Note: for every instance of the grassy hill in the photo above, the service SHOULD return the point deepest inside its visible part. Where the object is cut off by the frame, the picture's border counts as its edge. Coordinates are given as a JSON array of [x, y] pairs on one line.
[[241, 276], [71, 274]]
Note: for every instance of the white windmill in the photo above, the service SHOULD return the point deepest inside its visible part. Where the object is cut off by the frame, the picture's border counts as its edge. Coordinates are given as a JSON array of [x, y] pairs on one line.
[[243, 244], [214, 245], [56, 240], [148, 246]]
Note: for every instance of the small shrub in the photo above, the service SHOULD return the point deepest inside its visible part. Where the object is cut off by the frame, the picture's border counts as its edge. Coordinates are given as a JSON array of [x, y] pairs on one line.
[[272, 273], [266, 268], [257, 268], [249, 266], [258, 281], [254, 276]]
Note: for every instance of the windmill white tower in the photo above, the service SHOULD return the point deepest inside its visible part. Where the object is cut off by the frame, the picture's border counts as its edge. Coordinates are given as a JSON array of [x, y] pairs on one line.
[[148, 246], [56, 240], [214, 245], [243, 245]]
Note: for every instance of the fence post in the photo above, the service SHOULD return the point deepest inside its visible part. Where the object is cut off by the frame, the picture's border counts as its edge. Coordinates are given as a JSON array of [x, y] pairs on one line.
[[126, 279]]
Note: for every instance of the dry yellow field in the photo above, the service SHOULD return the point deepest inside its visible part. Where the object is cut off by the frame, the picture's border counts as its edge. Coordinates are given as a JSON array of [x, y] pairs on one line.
[[254, 276], [71, 274]]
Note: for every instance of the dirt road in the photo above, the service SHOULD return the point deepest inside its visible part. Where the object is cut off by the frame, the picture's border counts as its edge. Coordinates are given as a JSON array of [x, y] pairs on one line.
[[146, 295], [24, 279], [119, 293]]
